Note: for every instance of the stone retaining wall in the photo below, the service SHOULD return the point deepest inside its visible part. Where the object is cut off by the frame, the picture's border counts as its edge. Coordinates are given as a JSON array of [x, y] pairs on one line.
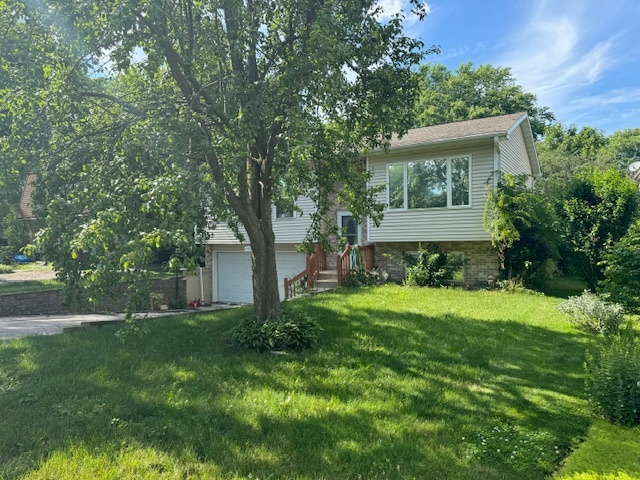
[[50, 302]]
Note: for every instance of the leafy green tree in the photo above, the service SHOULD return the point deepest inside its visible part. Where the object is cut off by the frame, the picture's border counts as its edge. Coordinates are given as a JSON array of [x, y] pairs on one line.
[[624, 147], [474, 92], [622, 270], [254, 102], [597, 211]]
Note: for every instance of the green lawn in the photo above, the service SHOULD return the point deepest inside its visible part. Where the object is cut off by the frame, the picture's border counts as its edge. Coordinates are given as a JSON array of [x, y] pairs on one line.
[[29, 286], [407, 383]]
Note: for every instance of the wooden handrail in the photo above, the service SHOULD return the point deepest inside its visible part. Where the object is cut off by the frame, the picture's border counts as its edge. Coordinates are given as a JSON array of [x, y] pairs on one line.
[[290, 282], [315, 263], [344, 267]]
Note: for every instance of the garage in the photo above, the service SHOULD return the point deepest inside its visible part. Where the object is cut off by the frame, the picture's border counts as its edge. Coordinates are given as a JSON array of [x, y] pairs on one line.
[[234, 280]]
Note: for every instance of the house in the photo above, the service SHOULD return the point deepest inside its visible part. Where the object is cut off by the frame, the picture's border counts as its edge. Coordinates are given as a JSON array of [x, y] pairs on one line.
[[435, 181], [25, 207]]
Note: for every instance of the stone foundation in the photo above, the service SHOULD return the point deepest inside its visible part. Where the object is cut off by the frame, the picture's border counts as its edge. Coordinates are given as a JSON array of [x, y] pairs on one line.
[[480, 259]]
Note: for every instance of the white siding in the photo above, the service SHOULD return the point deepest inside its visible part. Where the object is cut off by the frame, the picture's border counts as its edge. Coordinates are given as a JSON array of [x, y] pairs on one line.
[[436, 224], [286, 230], [513, 154]]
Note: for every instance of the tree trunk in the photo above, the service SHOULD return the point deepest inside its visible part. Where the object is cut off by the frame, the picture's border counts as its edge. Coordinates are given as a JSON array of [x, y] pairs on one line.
[[266, 297]]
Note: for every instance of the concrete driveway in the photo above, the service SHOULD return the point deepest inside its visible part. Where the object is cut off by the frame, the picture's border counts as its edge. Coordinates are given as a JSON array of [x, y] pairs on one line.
[[16, 327]]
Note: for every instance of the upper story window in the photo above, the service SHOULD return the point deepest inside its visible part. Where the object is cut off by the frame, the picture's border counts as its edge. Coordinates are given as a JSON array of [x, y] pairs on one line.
[[439, 182], [281, 211]]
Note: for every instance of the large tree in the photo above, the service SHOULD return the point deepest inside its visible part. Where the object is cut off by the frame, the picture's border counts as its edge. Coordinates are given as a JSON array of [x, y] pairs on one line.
[[470, 92], [266, 100], [596, 212]]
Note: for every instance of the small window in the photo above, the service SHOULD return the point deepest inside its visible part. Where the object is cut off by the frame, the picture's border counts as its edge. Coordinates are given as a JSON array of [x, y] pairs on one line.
[[284, 212]]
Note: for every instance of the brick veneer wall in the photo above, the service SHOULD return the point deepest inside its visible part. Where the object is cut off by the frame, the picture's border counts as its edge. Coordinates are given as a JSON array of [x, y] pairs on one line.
[[481, 260], [49, 302]]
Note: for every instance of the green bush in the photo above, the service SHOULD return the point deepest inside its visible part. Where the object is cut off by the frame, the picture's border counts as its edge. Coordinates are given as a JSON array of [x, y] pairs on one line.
[[364, 278], [6, 269], [622, 270], [613, 382], [430, 267], [593, 314], [293, 331]]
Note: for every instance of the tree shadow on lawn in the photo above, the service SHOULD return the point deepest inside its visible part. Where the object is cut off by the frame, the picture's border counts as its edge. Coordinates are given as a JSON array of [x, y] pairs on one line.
[[387, 394]]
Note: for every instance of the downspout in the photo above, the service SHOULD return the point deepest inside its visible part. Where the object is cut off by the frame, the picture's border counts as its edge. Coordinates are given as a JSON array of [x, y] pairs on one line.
[[368, 217], [497, 164]]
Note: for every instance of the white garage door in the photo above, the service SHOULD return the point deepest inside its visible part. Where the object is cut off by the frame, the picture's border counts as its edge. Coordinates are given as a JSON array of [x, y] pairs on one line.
[[234, 274]]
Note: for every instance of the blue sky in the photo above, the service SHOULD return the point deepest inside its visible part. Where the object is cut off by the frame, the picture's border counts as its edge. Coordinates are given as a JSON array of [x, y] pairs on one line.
[[581, 58]]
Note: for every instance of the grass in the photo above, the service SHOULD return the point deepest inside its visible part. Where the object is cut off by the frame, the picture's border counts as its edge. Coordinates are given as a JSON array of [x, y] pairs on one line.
[[563, 287], [608, 453], [31, 267], [29, 286], [407, 383]]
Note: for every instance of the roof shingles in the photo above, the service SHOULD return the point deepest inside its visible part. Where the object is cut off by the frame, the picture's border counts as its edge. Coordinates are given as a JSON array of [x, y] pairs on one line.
[[480, 127]]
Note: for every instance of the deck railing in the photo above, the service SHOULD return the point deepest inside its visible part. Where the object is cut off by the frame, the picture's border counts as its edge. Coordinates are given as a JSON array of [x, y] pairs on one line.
[[315, 263], [354, 257]]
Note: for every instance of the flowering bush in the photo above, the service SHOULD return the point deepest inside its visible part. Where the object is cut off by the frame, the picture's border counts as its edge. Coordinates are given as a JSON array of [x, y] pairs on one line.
[[592, 313]]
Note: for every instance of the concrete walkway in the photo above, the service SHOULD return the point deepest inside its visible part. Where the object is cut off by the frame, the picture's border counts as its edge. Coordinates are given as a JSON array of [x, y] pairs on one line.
[[17, 327]]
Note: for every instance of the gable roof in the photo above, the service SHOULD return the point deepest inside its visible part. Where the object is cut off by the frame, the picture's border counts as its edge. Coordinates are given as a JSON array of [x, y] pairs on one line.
[[25, 209], [479, 128]]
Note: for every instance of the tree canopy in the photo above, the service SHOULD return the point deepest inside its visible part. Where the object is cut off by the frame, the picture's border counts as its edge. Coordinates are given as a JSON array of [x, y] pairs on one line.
[[474, 92], [217, 106]]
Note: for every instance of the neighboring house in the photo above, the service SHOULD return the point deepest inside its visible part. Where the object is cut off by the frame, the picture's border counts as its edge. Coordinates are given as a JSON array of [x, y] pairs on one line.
[[25, 207], [436, 181]]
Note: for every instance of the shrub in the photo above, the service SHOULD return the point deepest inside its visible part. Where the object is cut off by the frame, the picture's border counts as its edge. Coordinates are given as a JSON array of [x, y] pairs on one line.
[[515, 285], [6, 269], [613, 382], [364, 278], [622, 270], [592, 313], [294, 330], [430, 267]]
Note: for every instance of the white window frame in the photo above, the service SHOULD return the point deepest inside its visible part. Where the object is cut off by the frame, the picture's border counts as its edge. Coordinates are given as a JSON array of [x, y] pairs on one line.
[[275, 217], [448, 159]]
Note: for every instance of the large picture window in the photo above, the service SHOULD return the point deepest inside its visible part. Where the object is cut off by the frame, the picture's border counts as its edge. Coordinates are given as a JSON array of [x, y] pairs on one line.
[[441, 182]]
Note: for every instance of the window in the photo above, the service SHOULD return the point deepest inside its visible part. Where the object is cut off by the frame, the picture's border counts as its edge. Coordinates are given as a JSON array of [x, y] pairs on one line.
[[284, 211], [441, 182]]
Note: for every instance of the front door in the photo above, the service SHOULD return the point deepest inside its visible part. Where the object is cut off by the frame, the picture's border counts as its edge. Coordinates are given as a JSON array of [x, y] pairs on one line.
[[349, 228]]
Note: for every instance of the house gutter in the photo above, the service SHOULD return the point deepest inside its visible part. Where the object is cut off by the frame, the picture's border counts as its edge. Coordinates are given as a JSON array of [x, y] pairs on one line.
[[368, 216], [497, 164]]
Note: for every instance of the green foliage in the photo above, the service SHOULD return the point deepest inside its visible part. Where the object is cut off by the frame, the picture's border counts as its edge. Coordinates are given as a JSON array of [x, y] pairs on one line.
[[597, 210], [233, 108], [613, 382], [515, 285], [592, 313], [474, 92], [622, 270], [430, 267], [6, 269], [518, 221], [294, 330], [363, 278]]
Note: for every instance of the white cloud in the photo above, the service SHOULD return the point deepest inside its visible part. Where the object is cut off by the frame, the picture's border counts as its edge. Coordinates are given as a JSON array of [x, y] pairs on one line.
[[554, 54], [390, 8]]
